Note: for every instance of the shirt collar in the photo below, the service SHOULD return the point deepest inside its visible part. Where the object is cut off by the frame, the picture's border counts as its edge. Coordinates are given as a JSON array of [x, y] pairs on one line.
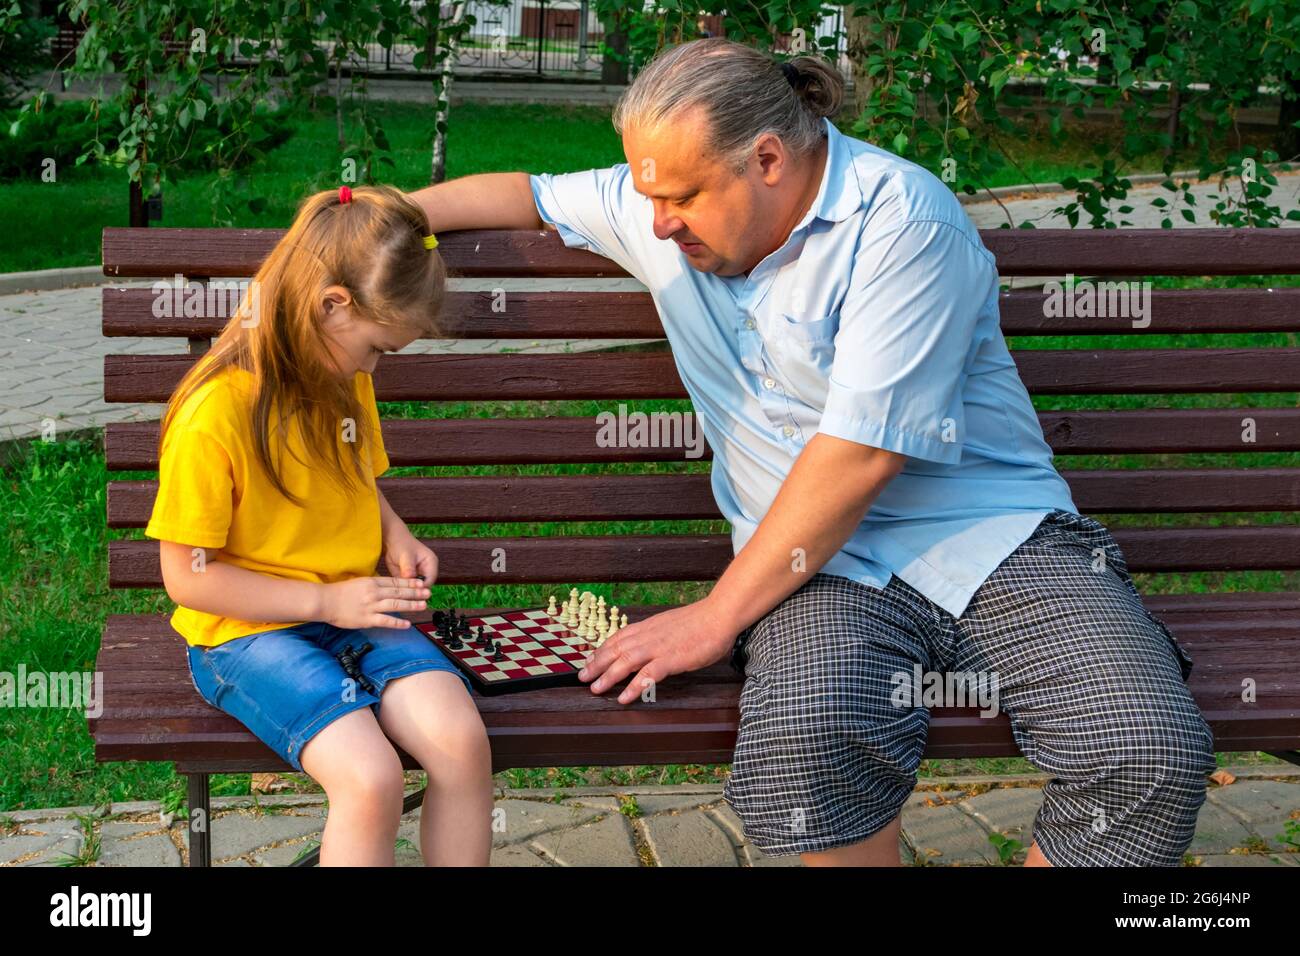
[[840, 194]]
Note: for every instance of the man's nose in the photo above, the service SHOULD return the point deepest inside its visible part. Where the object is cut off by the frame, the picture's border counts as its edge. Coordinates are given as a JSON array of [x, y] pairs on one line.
[[665, 224]]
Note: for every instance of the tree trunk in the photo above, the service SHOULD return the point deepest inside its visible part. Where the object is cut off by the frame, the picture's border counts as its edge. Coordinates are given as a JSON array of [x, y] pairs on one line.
[[438, 166], [1287, 140], [862, 29], [613, 72]]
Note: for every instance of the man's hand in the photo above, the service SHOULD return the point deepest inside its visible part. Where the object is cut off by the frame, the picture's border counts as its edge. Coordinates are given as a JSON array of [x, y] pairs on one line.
[[683, 639], [407, 557]]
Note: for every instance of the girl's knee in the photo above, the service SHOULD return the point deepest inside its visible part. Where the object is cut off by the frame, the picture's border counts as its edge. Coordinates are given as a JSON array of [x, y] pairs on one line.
[[459, 753], [372, 776]]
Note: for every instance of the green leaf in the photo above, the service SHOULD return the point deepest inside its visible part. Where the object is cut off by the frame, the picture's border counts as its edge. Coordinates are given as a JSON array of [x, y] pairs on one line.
[[900, 143]]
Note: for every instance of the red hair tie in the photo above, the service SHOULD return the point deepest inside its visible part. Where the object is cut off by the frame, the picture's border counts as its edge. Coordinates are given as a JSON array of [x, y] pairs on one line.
[[345, 194]]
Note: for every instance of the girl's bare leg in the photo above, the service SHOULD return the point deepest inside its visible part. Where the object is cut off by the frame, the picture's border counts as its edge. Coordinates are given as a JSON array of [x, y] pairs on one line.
[[362, 776], [432, 717]]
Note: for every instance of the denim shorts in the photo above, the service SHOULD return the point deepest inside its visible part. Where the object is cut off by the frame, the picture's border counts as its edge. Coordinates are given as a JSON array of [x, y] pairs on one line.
[[286, 685]]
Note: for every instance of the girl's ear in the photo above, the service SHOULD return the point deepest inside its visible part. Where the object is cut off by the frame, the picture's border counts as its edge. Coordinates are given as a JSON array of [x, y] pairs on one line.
[[335, 297]]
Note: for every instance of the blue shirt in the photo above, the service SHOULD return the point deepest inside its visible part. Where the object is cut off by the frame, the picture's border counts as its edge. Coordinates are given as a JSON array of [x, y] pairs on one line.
[[876, 322]]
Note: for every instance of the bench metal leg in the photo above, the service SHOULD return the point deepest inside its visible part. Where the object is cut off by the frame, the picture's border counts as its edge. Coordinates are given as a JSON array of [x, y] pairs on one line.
[[1290, 756], [410, 803], [200, 821]]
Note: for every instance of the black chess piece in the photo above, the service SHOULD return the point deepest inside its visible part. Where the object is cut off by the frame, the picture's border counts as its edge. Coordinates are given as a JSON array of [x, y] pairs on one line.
[[498, 655], [350, 660]]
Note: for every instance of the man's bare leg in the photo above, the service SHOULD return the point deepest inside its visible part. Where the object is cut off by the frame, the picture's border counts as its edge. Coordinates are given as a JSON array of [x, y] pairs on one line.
[[1035, 856], [879, 849]]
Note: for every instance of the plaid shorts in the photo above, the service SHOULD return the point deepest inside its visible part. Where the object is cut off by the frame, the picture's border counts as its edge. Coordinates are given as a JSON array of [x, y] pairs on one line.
[[1094, 685]]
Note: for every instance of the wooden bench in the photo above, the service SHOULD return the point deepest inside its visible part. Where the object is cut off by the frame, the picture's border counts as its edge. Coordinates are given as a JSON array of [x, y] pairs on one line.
[[152, 712]]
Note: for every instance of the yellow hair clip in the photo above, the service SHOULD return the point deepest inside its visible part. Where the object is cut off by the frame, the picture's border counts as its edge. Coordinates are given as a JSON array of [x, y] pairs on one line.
[[430, 241]]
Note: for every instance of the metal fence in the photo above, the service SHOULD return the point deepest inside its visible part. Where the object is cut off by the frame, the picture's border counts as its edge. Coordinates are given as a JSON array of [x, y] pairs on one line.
[[555, 39]]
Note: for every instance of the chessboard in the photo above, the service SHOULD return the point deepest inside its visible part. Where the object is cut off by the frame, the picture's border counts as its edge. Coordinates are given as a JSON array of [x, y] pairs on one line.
[[511, 651]]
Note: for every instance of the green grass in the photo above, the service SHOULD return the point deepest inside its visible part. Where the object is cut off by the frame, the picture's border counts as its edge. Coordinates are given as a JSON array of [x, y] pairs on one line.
[[62, 221], [53, 563]]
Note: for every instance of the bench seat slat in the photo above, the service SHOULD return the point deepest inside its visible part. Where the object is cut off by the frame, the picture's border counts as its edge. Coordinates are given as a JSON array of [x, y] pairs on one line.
[[684, 497], [459, 377], [153, 712], [491, 253], [632, 315]]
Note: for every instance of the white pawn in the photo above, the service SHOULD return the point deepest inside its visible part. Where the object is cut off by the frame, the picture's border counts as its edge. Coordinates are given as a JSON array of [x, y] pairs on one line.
[[551, 609], [622, 622]]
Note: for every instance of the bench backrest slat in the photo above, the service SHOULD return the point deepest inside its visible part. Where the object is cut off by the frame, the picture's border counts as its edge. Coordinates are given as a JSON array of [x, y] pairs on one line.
[[534, 253], [554, 440], [1246, 373], [632, 315], [662, 557]]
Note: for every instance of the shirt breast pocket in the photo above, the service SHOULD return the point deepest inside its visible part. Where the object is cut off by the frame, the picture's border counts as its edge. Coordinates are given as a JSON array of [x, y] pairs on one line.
[[803, 350], [808, 338]]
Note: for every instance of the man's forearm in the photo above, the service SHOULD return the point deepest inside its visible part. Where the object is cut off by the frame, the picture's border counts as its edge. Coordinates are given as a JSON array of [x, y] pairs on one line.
[[820, 505], [483, 201]]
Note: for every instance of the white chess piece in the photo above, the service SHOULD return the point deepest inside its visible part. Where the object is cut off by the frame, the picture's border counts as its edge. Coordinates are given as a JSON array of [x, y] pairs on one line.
[[622, 622], [613, 620], [551, 609]]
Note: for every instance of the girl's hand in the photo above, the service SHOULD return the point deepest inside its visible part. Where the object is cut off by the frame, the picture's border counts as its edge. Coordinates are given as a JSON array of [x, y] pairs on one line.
[[406, 557], [371, 602]]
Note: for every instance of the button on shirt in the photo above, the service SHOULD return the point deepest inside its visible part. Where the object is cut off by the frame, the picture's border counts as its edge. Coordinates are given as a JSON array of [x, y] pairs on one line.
[[876, 322]]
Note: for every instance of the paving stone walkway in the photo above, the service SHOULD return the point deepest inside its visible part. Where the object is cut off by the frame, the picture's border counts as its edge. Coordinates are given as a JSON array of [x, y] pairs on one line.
[[947, 824]]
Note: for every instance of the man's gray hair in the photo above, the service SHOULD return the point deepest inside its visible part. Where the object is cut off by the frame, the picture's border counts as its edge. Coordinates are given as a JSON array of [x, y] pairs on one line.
[[744, 93]]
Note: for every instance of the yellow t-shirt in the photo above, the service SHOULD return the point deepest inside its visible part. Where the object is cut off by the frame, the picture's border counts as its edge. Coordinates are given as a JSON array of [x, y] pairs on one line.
[[213, 494]]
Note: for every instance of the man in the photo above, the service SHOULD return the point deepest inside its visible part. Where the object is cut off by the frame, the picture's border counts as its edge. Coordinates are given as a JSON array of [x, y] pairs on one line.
[[834, 317]]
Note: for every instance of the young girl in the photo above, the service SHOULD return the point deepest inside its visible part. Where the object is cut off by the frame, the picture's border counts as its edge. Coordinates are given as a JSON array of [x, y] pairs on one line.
[[271, 526]]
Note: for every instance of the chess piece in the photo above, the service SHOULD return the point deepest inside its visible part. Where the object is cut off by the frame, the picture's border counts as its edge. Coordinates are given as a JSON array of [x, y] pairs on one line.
[[350, 661], [613, 621], [551, 609], [622, 622]]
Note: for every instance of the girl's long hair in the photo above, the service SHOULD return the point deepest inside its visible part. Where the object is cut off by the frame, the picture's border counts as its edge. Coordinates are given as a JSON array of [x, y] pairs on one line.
[[374, 247]]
